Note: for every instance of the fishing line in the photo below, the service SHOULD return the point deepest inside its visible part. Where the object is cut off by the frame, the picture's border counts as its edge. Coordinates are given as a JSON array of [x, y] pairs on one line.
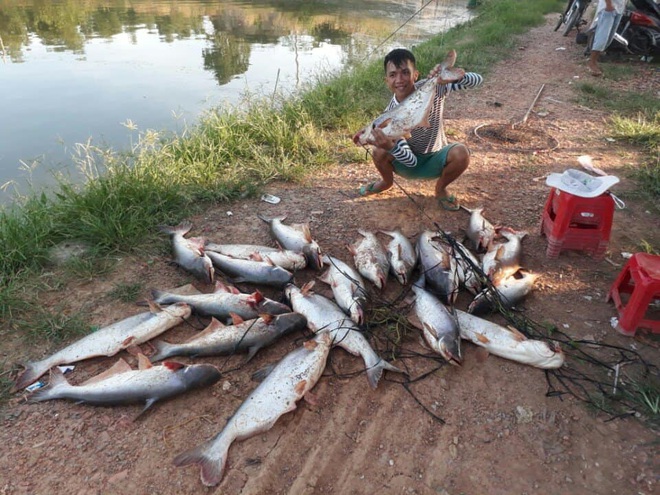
[[399, 28]]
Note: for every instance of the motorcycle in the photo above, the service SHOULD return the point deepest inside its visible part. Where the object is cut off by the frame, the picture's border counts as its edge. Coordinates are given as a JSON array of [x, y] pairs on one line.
[[641, 28], [572, 16]]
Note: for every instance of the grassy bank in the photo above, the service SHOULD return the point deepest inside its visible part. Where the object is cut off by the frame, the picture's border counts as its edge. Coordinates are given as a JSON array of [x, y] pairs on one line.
[[229, 153]]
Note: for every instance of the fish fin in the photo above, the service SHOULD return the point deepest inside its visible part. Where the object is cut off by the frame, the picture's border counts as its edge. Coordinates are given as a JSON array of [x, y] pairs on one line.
[[415, 321], [300, 387], [267, 318], [252, 350], [430, 329], [30, 375], [162, 350], [173, 365], [325, 277], [255, 298], [221, 287], [310, 345], [281, 218], [143, 362], [307, 288], [119, 367], [183, 228], [150, 402], [133, 350], [236, 318], [482, 338], [213, 326], [57, 378], [154, 307], [306, 232], [500, 252], [384, 123], [376, 372], [518, 335], [260, 375], [256, 257]]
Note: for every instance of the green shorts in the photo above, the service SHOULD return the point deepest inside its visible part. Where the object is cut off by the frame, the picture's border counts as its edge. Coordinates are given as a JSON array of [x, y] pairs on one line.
[[429, 165]]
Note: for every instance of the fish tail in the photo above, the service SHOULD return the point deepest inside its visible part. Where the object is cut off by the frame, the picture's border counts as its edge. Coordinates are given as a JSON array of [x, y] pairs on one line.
[[212, 466], [163, 350], [30, 375], [281, 218], [57, 380], [183, 228], [159, 296], [375, 372]]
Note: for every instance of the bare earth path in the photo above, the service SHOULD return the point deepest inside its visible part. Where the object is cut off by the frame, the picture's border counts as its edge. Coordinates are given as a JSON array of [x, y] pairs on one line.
[[501, 434]]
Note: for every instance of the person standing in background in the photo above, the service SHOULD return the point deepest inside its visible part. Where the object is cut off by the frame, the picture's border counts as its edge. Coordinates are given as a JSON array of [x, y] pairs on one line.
[[606, 21]]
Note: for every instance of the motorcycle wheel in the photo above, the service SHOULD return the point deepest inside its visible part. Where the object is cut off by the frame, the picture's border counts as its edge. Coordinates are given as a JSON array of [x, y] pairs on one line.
[[640, 43], [559, 22], [572, 17]]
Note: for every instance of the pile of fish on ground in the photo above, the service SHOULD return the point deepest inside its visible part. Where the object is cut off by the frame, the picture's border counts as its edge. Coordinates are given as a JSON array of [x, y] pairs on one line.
[[247, 322]]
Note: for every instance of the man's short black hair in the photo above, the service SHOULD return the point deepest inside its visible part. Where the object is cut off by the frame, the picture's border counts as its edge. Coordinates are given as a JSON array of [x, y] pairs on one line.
[[399, 56]]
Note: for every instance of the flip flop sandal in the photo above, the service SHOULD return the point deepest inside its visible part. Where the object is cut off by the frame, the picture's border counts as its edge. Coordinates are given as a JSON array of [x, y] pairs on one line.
[[449, 203], [367, 190]]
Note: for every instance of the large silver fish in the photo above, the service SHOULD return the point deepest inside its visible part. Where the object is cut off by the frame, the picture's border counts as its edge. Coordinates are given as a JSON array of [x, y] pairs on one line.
[[109, 340], [285, 258], [438, 266], [503, 259], [144, 385], [439, 326], [251, 271], [401, 255], [370, 258], [293, 377], [189, 253], [218, 339], [414, 110], [480, 231], [223, 302], [348, 288], [509, 343], [323, 314], [512, 290], [296, 237]]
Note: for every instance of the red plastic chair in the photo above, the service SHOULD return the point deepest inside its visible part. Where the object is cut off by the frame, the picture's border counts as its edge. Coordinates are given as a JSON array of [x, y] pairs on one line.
[[640, 277], [577, 223]]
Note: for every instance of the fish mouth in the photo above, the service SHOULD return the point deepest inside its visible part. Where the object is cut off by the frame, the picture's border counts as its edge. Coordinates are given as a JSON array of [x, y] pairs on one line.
[[453, 356]]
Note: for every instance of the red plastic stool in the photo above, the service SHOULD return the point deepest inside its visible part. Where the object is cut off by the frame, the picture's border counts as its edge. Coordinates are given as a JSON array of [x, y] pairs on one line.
[[640, 278], [574, 222]]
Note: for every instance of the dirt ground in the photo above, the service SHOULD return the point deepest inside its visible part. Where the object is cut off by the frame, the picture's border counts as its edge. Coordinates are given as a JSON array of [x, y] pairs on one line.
[[501, 433]]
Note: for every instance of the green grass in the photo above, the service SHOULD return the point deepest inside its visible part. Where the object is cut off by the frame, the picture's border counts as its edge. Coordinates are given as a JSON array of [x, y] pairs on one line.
[[55, 327], [127, 293], [635, 119]]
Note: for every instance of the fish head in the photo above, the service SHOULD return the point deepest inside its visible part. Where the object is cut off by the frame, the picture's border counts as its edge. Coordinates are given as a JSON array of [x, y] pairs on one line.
[[199, 375], [450, 349], [203, 269], [312, 253], [270, 307], [290, 322], [179, 309]]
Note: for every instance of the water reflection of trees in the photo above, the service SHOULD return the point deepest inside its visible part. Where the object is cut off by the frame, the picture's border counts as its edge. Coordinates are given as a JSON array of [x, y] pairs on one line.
[[227, 57]]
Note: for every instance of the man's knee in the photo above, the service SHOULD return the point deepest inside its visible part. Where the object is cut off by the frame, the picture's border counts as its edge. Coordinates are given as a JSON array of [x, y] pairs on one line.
[[459, 157]]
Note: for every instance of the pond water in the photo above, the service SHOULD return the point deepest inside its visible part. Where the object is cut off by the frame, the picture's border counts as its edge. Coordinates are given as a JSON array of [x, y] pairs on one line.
[[100, 72]]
